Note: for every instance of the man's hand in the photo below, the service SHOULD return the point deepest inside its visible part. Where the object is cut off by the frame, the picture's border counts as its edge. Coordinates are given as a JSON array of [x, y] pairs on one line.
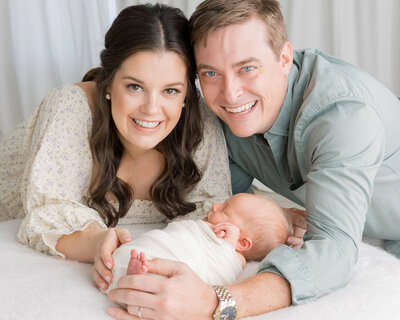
[[299, 226], [180, 294]]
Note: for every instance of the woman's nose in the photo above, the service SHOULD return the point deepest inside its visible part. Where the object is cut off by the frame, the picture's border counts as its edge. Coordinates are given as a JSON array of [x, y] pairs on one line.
[[152, 105]]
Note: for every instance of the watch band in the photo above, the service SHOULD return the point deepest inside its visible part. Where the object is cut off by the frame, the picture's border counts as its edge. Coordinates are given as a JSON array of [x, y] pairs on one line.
[[227, 305], [223, 293]]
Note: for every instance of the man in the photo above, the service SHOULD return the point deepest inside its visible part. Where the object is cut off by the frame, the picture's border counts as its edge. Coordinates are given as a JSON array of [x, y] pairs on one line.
[[315, 129]]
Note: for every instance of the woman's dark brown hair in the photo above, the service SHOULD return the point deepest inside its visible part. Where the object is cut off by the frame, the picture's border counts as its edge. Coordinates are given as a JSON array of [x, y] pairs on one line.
[[144, 28]]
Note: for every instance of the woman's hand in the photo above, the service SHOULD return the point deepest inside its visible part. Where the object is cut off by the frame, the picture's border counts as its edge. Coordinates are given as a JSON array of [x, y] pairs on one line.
[[299, 226], [106, 244]]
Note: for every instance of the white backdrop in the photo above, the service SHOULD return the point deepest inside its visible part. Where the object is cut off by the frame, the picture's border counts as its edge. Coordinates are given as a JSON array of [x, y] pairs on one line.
[[45, 43]]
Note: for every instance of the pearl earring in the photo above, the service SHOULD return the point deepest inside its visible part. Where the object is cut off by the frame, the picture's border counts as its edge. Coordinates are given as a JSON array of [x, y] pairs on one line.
[[108, 96], [183, 104]]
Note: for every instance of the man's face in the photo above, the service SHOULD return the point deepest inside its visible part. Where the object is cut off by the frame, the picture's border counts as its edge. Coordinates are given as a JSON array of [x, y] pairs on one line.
[[242, 80]]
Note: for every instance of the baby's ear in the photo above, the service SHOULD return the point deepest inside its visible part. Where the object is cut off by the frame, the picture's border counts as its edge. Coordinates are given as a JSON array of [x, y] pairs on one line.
[[245, 243]]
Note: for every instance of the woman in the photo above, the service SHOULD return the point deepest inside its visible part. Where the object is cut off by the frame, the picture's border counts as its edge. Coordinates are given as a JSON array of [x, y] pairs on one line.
[[127, 147]]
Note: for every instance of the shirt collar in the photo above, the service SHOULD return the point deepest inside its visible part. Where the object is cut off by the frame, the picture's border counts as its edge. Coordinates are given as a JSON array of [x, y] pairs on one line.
[[281, 124]]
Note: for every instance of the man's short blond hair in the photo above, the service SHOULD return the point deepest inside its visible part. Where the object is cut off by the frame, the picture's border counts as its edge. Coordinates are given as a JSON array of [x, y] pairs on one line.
[[213, 14]]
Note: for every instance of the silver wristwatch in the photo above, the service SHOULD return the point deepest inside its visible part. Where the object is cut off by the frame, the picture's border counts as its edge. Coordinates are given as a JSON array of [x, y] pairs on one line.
[[226, 309]]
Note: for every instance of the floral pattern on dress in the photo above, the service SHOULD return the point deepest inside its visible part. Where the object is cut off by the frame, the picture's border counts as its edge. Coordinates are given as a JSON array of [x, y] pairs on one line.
[[46, 167]]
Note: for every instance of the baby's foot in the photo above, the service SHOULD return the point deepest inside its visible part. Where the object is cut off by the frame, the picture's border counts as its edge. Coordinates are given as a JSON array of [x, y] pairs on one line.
[[137, 264]]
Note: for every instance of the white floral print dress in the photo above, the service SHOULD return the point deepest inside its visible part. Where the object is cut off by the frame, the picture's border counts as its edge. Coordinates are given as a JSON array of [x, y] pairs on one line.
[[46, 167]]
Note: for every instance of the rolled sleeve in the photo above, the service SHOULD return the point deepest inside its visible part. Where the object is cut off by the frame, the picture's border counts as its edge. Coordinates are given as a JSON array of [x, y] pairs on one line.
[[345, 148]]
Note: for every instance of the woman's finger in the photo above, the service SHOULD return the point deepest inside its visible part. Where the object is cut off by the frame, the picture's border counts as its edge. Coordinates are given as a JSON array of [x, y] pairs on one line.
[[104, 272], [99, 280], [107, 248], [123, 235]]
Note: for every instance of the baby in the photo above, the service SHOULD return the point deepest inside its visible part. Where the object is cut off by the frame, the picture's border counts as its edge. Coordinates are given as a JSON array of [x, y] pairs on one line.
[[244, 227]]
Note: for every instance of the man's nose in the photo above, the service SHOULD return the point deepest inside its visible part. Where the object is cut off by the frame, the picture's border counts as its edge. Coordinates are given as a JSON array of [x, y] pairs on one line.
[[232, 89]]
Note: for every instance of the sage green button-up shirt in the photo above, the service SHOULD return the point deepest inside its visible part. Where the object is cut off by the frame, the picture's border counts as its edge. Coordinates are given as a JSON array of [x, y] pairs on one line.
[[335, 149]]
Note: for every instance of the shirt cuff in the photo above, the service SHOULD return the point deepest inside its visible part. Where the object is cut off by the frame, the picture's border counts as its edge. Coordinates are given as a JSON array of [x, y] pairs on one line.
[[286, 262]]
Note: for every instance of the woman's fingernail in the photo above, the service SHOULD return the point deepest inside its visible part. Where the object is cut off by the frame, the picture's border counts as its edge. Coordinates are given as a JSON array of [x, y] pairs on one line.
[[107, 279], [108, 265], [103, 286]]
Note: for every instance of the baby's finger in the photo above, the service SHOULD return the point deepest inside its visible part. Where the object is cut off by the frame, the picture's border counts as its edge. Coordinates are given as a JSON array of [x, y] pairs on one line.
[[223, 225], [219, 231]]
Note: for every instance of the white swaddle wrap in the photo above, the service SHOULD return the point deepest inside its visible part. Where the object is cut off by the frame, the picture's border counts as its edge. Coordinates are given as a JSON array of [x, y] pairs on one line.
[[189, 241]]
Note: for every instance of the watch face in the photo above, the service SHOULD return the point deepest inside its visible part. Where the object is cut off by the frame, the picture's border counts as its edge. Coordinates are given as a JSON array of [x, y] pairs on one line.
[[228, 313]]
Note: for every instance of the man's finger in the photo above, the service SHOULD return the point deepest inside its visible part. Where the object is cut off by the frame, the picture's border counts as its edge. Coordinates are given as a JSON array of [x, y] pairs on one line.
[[142, 282], [294, 242], [166, 268], [133, 297], [120, 314], [299, 232]]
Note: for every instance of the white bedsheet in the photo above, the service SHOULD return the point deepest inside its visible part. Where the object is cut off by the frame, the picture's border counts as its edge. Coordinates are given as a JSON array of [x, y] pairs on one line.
[[35, 286]]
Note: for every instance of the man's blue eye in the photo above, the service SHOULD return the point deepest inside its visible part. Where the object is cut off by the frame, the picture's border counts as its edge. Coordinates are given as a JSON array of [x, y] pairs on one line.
[[210, 73], [247, 69]]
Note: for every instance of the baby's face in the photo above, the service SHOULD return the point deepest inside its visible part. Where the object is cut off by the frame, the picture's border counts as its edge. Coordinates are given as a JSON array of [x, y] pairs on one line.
[[239, 210], [233, 210]]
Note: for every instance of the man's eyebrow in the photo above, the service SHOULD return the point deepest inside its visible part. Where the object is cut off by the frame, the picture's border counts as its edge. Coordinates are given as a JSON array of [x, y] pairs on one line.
[[204, 66], [235, 65], [246, 61]]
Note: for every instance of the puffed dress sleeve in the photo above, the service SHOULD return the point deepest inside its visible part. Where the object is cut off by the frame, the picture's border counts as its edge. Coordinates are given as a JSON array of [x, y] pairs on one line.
[[57, 170]]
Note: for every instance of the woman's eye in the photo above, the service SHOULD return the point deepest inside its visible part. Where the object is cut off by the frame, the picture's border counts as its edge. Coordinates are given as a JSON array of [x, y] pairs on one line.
[[171, 91], [135, 87], [247, 69]]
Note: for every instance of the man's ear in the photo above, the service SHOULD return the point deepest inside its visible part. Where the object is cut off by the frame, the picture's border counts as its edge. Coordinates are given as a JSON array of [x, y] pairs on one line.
[[286, 57], [245, 243]]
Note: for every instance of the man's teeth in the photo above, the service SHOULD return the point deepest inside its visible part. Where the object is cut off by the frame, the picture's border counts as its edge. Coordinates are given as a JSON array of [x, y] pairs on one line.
[[146, 124], [246, 107]]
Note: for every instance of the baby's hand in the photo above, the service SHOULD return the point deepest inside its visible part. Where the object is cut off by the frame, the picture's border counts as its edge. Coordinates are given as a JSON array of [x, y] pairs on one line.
[[227, 231]]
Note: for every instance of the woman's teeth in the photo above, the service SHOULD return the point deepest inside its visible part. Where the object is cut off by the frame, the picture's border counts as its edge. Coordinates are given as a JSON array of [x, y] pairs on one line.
[[242, 109], [146, 124]]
